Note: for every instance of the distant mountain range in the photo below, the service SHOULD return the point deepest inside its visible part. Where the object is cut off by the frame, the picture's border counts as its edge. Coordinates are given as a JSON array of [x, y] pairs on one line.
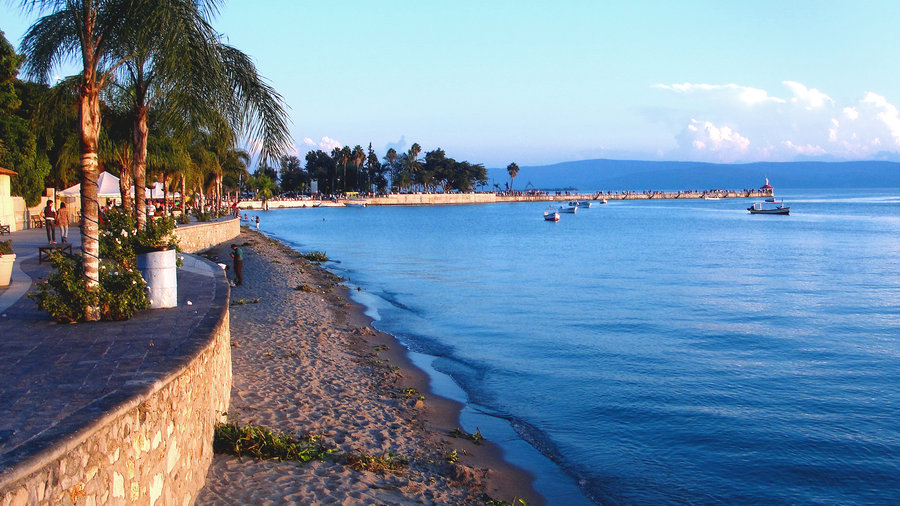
[[635, 175]]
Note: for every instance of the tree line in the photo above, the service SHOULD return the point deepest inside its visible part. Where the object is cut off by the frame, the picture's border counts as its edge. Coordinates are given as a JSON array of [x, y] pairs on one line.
[[347, 169]]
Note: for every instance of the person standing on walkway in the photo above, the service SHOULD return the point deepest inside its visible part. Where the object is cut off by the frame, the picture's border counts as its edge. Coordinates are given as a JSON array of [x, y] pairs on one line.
[[238, 255], [62, 219], [50, 222]]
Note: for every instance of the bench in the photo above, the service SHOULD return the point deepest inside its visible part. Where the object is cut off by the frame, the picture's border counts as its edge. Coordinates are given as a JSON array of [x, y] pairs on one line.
[[37, 222], [45, 251], [4, 229]]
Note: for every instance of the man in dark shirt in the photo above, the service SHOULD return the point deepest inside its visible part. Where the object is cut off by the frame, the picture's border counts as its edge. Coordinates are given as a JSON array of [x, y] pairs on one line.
[[238, 255]]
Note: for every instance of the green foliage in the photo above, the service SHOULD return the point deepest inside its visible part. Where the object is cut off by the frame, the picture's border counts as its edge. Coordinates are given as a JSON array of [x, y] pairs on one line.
[[18, 142], [122, 292], [117, 237], [262, 443], [386, 462], [157, 235], [63, 294], [6, 247]]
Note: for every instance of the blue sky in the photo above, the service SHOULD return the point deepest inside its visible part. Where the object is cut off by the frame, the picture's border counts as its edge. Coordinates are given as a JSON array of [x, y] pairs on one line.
[[543, 82]]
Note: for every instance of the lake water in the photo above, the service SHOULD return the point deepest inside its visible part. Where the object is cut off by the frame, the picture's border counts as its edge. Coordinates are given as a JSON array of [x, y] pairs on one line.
[[650, 352]]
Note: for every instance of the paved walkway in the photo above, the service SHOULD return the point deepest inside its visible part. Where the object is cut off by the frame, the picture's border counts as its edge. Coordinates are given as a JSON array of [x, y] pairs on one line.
[[57, 379]]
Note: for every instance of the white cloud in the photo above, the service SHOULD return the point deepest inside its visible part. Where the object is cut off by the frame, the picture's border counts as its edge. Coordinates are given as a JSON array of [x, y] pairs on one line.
[[885, 112], [721, 143], [326, 144], [810, 98], [742, 123], [745, 94], [805, 150]]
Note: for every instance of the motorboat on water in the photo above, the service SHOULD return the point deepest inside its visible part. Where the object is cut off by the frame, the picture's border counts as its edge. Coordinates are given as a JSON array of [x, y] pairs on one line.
[[580, 203], [767, 207], [568, 209], [708, 197], [551, 215]]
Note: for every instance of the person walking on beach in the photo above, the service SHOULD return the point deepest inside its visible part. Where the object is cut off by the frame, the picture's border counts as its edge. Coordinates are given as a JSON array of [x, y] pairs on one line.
[[62, 219], [238, 255], [257, 223], [50, 222]]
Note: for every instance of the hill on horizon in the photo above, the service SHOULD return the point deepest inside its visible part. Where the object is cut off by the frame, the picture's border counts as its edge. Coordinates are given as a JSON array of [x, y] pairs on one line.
[[637, 175]]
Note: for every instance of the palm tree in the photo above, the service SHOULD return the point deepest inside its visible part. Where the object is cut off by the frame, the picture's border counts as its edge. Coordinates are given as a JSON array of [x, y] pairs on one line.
[[92, 29], [149, 35], [357, 156], [513, 169], [391, 157]]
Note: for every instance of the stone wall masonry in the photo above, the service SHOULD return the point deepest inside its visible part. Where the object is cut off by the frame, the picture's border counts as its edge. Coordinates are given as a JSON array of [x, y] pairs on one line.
[[197, 237], [151, 448]]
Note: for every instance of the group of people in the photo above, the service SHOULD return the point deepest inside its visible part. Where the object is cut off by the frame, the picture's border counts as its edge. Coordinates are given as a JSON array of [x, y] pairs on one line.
[[56, 218]]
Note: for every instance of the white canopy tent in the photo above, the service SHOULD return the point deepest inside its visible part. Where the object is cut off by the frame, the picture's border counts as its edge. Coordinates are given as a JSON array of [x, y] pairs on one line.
[[107, 183], [109, 188]]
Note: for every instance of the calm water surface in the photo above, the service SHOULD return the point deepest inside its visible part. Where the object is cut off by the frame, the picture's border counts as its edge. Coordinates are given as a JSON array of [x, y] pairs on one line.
[[654, 352]]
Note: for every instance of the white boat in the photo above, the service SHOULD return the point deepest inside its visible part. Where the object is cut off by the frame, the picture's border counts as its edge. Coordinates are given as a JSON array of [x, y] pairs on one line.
[[580, 203], [569, 209], [774, 207], [355, 204], [603, 201], [551, 215], [707, 197]]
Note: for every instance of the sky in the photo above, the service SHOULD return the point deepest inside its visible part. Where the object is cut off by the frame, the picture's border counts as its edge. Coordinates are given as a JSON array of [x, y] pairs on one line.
[[540, 82]]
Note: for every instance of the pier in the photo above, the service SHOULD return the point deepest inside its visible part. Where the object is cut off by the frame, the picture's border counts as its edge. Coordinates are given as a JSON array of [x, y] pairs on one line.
[[426, 199]]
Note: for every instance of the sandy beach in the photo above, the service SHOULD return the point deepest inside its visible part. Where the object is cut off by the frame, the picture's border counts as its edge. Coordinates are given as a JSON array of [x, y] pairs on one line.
[[308, 361]]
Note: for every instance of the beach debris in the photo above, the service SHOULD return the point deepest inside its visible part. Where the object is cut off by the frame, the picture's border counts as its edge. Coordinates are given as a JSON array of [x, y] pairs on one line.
[[241, 302], [189, 303], [476, 438], [305, 288]]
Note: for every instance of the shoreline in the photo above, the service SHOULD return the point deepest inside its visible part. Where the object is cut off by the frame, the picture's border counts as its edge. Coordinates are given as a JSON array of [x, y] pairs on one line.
[[349, 382]]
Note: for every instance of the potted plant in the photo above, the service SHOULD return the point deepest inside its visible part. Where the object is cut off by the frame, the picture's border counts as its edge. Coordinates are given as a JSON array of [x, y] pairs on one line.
[[156, 259], [7, 258]]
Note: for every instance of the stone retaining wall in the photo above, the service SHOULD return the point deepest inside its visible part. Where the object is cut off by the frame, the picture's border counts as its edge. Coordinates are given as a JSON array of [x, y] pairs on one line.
[[154, 447], [197, 237]]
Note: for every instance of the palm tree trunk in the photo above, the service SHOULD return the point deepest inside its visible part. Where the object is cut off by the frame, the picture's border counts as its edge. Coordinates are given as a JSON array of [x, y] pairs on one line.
[[165, 185], [183, 197], [139, 133], [89, 112], [125, 178]]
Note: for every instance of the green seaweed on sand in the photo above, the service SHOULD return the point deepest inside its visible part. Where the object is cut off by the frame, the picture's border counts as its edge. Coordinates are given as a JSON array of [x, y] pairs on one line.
[[265, 444], [388, 461], [316, 256]]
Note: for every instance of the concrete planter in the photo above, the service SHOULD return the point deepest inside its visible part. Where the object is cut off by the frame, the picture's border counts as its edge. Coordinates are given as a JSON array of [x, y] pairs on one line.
[[6, 265], [159, 271]]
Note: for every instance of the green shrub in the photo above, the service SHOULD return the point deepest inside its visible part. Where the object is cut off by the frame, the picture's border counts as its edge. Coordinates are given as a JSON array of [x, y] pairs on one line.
[[6, 247], [63, 294], [121, 294]]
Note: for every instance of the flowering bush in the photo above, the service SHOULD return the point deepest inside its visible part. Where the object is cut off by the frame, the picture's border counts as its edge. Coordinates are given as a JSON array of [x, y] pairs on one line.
[[122, 290]]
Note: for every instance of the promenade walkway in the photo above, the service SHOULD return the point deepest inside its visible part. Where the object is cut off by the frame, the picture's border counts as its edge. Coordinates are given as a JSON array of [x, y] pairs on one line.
[[58, 380]]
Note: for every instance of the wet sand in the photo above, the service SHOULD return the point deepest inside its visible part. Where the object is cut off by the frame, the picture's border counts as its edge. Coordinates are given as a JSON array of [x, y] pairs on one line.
[[308, 361]]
